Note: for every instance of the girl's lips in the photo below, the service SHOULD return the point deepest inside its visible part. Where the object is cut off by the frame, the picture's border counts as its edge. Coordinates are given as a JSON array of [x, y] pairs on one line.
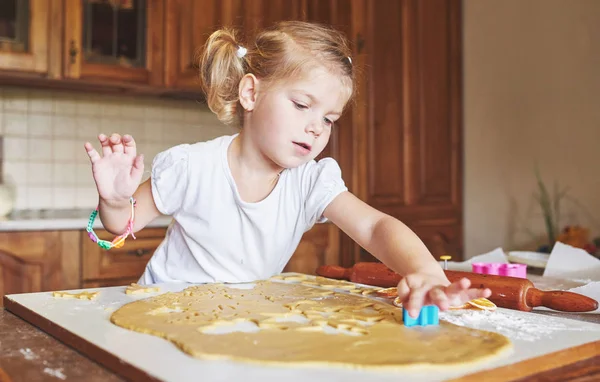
[[303, 148]]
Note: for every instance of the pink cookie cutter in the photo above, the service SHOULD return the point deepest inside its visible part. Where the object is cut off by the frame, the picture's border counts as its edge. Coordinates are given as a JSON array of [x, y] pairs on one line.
[[512, 270]]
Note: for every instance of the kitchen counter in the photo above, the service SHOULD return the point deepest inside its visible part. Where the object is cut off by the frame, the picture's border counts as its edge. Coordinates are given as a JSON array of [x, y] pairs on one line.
[[53, 220]]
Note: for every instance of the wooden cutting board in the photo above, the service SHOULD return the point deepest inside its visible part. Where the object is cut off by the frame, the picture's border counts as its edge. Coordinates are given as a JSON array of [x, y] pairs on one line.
[[84, 325]]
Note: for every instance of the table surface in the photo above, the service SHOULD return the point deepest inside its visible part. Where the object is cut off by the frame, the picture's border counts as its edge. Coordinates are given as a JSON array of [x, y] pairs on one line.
[[29, 354]]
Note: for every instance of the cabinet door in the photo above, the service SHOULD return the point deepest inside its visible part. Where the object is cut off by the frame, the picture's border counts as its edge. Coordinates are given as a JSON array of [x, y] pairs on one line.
[[125, 263], [319, 246], [39, 261], [24, 35], [188, 24], [413, 161], [114, 42], [263, 13], [110, 282]]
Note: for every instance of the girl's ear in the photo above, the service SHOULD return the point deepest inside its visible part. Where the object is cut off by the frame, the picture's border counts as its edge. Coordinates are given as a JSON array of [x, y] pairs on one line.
[[248, 91]]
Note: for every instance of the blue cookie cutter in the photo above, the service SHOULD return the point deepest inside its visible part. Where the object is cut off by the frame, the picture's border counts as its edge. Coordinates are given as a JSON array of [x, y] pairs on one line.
[[427, 316]]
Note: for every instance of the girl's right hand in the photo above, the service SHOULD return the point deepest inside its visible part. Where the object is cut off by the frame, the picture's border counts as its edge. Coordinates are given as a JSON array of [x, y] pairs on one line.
[[119, 171]]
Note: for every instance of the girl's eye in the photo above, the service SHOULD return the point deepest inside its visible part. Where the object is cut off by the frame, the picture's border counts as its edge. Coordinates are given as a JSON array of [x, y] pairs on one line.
[[300, 106], [328, 121]]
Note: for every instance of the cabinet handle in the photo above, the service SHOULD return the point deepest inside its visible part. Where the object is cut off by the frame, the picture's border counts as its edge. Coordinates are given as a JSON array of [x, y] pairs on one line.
[[73, 51], [139, 252]]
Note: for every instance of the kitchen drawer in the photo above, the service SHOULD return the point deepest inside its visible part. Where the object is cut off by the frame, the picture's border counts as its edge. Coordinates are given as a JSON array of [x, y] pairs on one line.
[[127, 262], [109, 283]]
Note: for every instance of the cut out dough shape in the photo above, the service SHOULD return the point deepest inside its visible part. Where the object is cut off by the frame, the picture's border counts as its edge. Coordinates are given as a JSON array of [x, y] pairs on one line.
[[479, 303], [341, 329], [80, 296], [482, 303], [330, 284], [140, 289]]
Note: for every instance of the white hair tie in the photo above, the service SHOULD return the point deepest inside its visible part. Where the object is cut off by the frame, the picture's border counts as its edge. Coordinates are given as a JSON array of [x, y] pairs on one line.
[[241, 52]]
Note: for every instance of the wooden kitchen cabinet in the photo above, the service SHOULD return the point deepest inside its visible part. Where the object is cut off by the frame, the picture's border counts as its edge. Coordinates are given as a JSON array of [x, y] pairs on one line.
[[36, 261], [24, 27], [118, 266], [114, 43], [263, 13], [319, 246], [399, 144], [408, 136], [189, 23]]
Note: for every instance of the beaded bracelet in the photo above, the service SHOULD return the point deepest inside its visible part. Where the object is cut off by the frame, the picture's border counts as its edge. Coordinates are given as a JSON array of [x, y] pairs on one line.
[[118, 241]]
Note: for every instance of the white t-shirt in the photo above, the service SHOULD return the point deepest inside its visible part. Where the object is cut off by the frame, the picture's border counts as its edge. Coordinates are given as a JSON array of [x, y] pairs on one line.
[[216, 236]]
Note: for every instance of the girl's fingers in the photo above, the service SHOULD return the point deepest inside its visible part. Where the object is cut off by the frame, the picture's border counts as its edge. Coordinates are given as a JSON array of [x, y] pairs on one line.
[[106, 150], [477, 293], [458, 286], [129, 145], [439, 298], [92, 153], [403, 290], [459, 292], [116, 143], [416, 301], [138, 167]]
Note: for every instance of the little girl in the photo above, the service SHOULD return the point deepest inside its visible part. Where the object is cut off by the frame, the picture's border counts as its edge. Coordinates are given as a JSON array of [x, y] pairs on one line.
[[241, 203]]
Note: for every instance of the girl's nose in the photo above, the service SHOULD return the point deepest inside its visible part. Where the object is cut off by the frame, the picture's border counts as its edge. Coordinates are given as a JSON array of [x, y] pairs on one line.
[[315, 127]]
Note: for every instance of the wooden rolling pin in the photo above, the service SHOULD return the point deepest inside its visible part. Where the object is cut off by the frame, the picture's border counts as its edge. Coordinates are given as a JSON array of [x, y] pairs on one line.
[[507, 292]]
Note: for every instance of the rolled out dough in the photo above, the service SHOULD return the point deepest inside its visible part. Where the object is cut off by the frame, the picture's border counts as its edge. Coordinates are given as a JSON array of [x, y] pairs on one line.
[[295, 324]]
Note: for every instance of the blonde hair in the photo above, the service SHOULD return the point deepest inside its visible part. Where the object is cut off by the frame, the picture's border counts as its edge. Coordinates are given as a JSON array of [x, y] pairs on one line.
[[285, 50]]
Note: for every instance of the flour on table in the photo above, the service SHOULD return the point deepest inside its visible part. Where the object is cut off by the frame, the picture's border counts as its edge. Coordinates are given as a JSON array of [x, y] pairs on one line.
[[515, 325], [55, 373], [28, 354]]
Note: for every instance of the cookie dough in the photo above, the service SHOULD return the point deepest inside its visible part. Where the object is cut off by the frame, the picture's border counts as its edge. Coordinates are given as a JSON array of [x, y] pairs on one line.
[[294, 324], [140, 289], [80, 296]]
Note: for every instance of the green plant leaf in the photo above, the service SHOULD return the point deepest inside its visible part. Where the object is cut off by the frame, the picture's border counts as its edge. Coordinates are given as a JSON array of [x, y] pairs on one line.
[[546, 205]]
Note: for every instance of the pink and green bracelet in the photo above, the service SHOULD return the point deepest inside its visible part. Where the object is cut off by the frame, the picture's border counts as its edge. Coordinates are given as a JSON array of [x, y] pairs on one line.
[[118, 241]]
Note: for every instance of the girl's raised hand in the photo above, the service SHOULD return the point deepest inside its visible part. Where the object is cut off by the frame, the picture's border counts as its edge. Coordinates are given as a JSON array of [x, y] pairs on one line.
[[118, 172]]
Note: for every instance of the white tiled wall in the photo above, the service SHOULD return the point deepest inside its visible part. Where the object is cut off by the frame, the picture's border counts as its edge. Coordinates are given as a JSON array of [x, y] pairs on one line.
[[44, 133]]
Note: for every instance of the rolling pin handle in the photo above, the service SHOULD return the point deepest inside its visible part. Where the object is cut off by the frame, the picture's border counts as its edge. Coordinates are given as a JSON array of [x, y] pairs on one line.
[[561, 300]]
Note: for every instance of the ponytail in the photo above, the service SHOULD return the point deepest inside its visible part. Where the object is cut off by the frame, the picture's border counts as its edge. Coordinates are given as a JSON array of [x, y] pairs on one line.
[[221, 69]]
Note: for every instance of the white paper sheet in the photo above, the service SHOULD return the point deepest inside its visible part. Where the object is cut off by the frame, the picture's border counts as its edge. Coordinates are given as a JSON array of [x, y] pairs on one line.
[[568, 262]]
